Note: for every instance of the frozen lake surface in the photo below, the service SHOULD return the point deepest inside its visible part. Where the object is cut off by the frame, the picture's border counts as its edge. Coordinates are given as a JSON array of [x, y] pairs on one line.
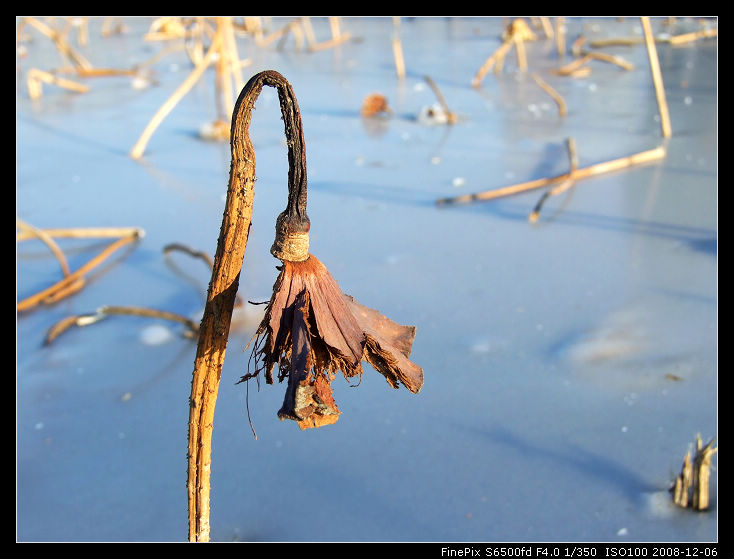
[[569, 363]]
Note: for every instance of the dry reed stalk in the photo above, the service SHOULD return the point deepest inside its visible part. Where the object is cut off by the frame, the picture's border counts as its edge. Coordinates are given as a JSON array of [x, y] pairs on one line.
[[137, 151], [693, 36], [691, 487], [572, 67], [290, 27], [191, 252], [617, 42], [498, 54], [85, 233], [337, 37], [48, 240], [113, 26], [562, 109], [450, 115], [577, 44], [547, 27], [397, 49], [522, 59], [657, 78], [166, 28], [618, 60], [586, 172], [64, 48], [563, 186], [37, 77], [561, 36], [65, 284]]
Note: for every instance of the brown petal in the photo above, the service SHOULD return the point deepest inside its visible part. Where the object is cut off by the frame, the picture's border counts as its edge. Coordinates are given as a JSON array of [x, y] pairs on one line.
[[336, 325], [308, 399], [388, 346], [300, 362]]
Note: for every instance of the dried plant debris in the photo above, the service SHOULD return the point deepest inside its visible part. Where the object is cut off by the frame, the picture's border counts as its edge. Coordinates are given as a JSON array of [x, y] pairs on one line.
[[311, 330], [375, 104], [691, 488]]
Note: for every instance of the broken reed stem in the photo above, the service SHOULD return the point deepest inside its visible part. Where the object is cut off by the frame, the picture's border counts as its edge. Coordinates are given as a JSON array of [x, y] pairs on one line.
[[64, 48], [437, 92], [85, 233], [71, 282], [498, 54], [397, 49], [216, 320], [657, 77], [691, 486], [195, 253], [183, 89], [693, 36], [547, 26], [86, 319], [563, 186], [593, 170], [619, 61], [561, 36], [575, 65], [522, 59], [48, 240], [36, 77], [562, 109]]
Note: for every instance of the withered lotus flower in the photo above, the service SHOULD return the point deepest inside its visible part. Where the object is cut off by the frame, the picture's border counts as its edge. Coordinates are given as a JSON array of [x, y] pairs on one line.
[[312, 330]]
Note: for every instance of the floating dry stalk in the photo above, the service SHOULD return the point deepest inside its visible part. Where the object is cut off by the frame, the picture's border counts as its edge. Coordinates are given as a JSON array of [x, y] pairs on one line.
[[310, 330], [691, 487]]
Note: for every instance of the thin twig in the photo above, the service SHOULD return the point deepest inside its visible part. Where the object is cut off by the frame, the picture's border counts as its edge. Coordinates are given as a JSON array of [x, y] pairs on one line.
[[657, 78], [593, 170]]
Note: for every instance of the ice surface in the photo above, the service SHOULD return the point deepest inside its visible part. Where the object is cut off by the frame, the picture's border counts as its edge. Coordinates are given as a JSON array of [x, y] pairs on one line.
[[568, 364]]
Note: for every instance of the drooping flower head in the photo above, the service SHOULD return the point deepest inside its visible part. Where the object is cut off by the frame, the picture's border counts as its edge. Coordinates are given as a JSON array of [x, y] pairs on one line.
[[312, 331]]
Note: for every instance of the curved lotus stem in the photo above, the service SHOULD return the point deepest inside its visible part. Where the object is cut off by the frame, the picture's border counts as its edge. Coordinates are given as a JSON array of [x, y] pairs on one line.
[[215, 323]]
